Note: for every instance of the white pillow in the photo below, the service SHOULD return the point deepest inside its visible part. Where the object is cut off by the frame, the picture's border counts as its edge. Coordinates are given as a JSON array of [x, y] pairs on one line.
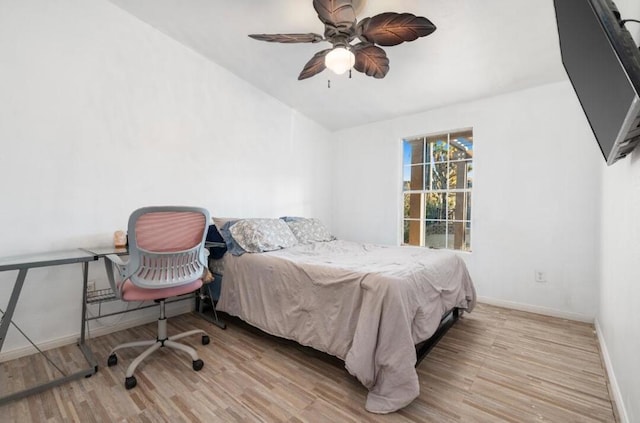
[[259, 235], [310, 230]]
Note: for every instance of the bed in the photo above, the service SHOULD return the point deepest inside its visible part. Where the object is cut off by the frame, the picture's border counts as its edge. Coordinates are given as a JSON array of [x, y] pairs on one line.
[[368, 305]]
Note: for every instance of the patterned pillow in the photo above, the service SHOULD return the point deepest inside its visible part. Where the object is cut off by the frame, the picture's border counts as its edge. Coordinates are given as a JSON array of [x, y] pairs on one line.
[[232, 246], [292, 218], [259, 235], [310, 230]]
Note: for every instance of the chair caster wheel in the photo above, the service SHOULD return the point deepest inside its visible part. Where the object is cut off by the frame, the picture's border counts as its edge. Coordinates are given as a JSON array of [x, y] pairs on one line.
[[205, 340], [198, 364], [130, 382], [112, 361]]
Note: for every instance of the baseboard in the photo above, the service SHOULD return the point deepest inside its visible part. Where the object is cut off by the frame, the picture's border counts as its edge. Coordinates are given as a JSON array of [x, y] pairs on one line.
[[613, 382], [184, 307], [537, 309]]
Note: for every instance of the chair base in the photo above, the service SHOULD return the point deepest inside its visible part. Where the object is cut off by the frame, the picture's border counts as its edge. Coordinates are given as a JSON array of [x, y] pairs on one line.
[[154, 345]]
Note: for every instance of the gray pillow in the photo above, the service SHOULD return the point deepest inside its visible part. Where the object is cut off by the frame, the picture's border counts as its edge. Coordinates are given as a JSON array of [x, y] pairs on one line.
[[260, 235], [223, 225], [291, 218], [310, 230]]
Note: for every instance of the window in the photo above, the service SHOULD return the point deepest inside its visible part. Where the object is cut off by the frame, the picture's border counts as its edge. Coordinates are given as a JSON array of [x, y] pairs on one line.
[[437, 182]]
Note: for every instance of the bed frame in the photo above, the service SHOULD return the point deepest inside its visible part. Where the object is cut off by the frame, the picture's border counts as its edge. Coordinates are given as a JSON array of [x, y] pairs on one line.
[[448, 320]]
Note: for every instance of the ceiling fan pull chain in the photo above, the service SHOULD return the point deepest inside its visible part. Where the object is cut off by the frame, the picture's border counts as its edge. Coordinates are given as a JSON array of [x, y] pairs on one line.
[[349, 73], [328, 83]]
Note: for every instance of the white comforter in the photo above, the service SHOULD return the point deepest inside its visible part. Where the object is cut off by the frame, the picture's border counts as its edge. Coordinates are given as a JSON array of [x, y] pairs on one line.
[[366, 304]]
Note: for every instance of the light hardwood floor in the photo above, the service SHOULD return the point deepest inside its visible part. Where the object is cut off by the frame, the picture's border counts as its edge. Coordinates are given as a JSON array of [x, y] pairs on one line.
[[494, 365]]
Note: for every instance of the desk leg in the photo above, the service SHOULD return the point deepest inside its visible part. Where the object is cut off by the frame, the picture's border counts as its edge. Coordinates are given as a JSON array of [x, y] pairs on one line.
[[4, 327], [85, 282], [88, 354], [8, 314]]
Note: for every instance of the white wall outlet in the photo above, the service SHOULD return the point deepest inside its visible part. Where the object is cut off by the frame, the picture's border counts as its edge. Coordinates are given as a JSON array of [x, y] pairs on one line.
[[540, 276], [91, 286]]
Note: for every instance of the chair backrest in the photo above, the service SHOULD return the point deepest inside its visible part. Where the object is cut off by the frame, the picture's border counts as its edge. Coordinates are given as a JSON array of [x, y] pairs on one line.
[[166, 246]]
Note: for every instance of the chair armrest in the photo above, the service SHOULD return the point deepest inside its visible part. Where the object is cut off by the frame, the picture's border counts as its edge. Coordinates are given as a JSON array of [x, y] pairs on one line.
[[116, 260], [109, 261]]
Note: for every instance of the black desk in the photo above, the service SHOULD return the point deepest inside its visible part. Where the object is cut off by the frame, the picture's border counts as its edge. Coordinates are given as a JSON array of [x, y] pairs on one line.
[[22, 264]]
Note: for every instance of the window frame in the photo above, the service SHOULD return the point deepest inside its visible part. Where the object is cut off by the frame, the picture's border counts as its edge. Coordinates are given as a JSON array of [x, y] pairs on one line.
[[426, 190]]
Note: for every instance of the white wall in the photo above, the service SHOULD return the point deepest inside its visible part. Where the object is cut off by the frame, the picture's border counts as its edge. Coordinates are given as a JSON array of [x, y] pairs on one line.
[[101, 114], [535, 201], [619, 315]]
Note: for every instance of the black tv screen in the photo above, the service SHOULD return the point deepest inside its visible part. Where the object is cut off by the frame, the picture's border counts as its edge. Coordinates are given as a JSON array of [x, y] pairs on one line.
[[603, 64]]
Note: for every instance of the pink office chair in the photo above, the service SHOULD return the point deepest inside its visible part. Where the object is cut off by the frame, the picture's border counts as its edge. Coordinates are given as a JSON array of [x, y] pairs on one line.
[[167, 258]]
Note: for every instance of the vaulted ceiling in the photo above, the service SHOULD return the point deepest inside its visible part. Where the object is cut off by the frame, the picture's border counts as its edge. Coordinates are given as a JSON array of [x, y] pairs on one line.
[[480, 49]]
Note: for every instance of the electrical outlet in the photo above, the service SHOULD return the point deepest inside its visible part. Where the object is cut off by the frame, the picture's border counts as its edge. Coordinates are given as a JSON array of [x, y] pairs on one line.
[[91, 286], [540, 276]]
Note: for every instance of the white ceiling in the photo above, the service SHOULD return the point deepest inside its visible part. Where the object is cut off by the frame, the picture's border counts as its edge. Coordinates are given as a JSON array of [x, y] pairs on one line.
[[481, 48]]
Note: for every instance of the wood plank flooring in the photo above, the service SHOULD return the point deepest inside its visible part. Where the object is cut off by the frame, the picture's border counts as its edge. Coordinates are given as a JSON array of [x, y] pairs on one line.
[[494, 365]]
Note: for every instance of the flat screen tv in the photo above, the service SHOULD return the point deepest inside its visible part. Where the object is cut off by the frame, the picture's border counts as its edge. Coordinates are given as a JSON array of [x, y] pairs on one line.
[[603, 64]]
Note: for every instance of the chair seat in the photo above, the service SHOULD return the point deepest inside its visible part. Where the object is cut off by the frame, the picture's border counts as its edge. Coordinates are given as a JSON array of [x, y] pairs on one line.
[[130, 292]]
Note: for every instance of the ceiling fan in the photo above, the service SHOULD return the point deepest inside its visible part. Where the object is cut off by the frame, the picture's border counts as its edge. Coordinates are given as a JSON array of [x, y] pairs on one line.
[[342, 28]]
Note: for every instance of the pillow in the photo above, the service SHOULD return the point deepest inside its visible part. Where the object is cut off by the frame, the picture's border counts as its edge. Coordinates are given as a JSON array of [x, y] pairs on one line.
[[232, 246], [223, 224], [310, 230], [260, 235], [291, 218], [220, 221]]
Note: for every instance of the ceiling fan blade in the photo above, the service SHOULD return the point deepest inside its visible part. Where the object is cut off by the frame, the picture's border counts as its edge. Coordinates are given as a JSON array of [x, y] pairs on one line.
[[371, 60], [390, 29], [314, 66], [337, 15], [288, 38]]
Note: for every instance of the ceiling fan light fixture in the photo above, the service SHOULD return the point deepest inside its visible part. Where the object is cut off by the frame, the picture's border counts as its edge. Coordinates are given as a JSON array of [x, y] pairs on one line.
[[339, 60]]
